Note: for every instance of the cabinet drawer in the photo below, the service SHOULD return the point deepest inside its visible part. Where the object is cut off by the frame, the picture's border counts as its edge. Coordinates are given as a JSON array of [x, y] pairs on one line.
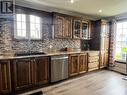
[[93, 65], [93, 54]]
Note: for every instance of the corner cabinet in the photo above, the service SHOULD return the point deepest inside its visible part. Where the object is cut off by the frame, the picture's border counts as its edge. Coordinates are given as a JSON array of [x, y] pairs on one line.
[[5, 78], [62, 26], [77, 64]]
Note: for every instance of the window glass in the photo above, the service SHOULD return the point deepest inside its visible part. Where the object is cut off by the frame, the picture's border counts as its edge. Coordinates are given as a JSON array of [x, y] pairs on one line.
[[30, 24], [20, 25], [121, 41], [35, 28]]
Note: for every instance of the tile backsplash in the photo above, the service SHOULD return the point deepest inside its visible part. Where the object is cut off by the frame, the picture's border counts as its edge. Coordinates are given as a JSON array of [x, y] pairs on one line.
[[8, 43]]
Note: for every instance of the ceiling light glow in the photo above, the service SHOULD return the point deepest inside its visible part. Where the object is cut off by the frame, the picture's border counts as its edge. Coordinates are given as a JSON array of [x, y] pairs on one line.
[[100, 11], [72, 1]]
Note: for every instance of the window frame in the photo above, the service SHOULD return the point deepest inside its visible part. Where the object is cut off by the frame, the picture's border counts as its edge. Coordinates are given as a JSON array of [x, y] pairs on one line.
[[28, 37], [121, 40]]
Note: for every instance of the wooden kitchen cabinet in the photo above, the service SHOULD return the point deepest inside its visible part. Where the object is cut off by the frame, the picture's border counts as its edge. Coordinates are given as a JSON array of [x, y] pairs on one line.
[[30, 72], [58, 26], [62, 26], [85, 30], [80, 29], [41, 70], [77, 64], [73, 64], [100, 41], [5, 77], [93, 60], [77, 29], [82, 63], [22, 71]]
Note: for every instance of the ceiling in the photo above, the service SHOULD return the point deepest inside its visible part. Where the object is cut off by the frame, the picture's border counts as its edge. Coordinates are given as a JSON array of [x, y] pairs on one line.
[[90, 7]]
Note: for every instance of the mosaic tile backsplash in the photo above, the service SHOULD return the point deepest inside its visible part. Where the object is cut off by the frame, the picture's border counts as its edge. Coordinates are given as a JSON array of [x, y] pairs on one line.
[[8, 43]]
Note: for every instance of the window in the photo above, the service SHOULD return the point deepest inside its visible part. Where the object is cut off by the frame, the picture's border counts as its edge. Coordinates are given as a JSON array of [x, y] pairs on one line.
[[35, 28], [121, 41], [28, 27], [21, 25]]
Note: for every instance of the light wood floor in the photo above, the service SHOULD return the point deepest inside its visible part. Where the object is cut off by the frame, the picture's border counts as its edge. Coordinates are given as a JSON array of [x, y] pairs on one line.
[[96, 83]]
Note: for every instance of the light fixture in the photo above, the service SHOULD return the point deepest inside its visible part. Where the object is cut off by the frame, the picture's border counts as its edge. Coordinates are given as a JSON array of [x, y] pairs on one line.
[[100, 11], [72, 1]]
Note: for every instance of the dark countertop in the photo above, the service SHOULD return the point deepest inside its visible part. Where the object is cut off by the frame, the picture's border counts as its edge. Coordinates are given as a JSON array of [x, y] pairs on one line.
[[43, 55]]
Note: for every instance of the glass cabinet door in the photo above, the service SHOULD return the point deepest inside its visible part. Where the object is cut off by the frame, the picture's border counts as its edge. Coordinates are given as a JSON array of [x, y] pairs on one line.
[[77, 29], [84, 29]]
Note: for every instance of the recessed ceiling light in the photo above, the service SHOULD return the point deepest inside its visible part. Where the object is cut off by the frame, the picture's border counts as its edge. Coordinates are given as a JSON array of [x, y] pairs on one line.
[[100, 11], [72, 1]]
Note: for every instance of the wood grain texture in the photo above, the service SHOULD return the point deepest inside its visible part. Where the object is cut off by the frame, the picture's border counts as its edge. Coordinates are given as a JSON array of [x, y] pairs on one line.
[[96, 83]]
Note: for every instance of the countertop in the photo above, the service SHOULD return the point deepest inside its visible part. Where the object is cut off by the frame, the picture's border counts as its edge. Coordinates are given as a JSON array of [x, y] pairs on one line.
[[44, 55]]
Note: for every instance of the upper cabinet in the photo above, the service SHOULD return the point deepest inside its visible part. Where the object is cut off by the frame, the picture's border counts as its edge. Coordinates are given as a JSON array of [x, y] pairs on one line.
[[80, 29], [76, 29], [62, 26], [66, 26], [85, 31]]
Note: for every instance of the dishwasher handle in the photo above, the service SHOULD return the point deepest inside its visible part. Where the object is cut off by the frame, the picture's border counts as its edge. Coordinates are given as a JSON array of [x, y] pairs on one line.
[[59, 58]]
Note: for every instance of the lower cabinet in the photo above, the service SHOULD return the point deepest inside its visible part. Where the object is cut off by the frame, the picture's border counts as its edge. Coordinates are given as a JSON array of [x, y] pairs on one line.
[[73, 64], [93, 61], [22, 73], [29, 72], [83, 63], [5, 78], [42, 70], [77, 64], [103, 59]]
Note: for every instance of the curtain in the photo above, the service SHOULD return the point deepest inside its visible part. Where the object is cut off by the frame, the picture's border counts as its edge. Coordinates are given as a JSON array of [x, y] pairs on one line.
[[112, 37]]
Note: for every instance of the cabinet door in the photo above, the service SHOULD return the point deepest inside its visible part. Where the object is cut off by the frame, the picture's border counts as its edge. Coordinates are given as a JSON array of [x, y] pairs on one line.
[[42, 70], [67, 27], [84, 33], [73, 65], [77, 29], [102, 59], [58, 26], [82, 63], [22, 73], [5, 79]]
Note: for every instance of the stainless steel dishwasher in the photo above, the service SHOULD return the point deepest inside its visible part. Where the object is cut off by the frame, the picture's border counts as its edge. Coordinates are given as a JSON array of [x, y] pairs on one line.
[[59, 68]]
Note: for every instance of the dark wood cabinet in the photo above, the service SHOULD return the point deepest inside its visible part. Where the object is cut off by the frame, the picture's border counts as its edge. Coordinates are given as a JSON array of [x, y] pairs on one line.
[[82, 63], [5, 78], [42, 70], [62, 26], [73, 64], [58, 26], [30, 72], [77, 64], [22, 73]]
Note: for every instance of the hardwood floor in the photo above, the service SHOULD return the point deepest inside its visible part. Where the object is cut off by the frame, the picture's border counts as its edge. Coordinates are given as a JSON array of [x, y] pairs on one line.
[[96, 83]]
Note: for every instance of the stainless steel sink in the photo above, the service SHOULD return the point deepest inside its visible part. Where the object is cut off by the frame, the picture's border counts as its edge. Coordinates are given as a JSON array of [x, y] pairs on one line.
[[29, 53]]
